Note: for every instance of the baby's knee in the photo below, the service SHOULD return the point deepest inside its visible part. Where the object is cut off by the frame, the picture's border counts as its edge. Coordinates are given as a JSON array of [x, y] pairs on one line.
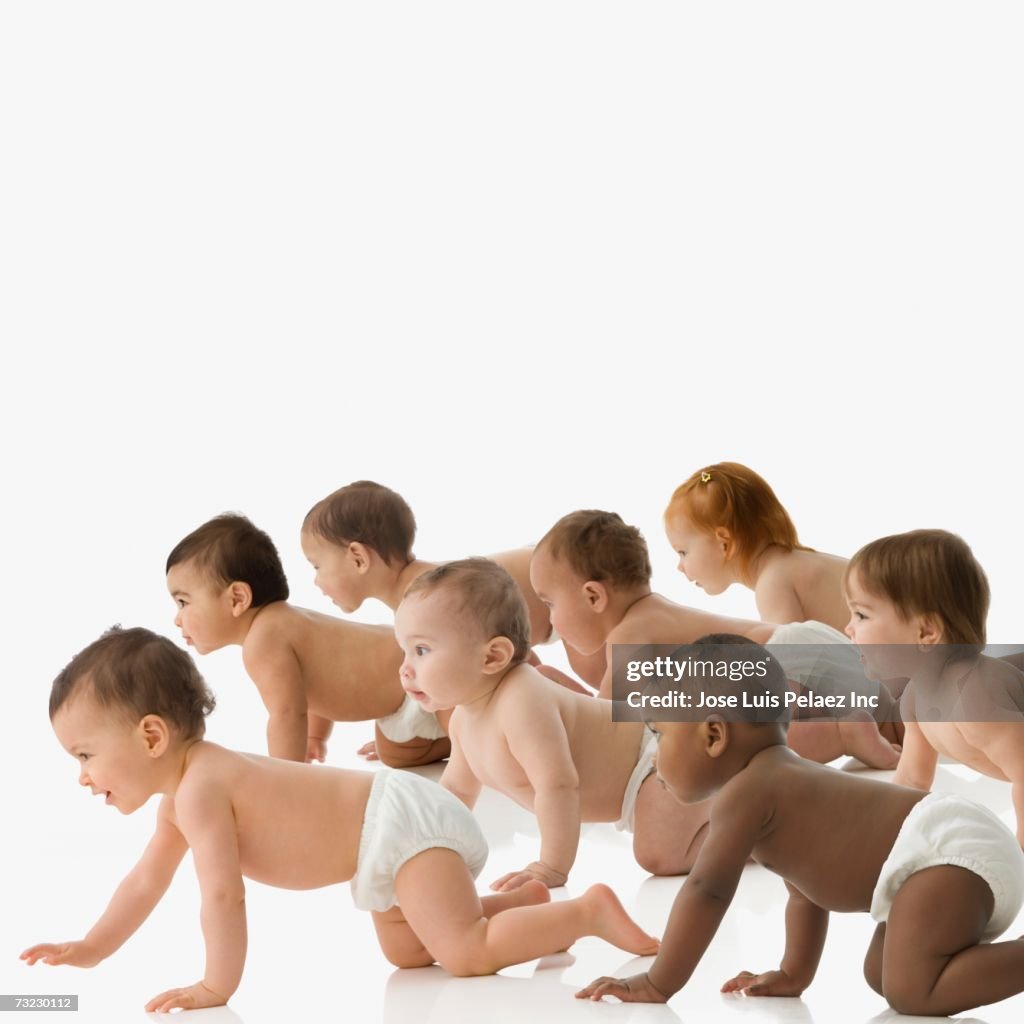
[[408, 958], [467, 963], [873, 971], [656, 859], [908, 997]]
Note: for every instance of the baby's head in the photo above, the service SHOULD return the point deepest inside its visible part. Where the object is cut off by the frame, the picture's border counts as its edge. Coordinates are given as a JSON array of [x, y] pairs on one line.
[[586, 568], [720, 520], [916, 589], [461, 627], [219, 573], [352, 531], [696, 759], [123, 707]]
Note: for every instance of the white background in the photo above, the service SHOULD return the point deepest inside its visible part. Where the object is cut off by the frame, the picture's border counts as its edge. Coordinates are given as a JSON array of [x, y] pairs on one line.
[[511, 260]]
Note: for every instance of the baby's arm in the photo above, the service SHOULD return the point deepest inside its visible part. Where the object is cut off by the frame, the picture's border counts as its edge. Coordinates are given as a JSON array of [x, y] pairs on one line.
[[131, 904], [316, 741], [538, 741], [918, 759], [207, 820], [1006, 752], [806, 927], [458, 777], [274, 667], [736, 820]]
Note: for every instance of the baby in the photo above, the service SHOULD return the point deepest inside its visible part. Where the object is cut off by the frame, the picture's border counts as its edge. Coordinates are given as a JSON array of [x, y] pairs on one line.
[[918, 603], [359, 539], [311, 670], [464, 630], [130, 709], [941, 876], [727, 526], [593, 572]]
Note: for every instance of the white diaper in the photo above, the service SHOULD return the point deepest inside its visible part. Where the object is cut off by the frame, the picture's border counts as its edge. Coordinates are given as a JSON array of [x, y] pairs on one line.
[[947, 829], [823, 660], [411, 722], [405, 815], [644, 767]]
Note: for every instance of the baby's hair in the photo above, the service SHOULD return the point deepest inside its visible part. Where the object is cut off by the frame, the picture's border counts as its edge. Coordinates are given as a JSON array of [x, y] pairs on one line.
[[231, 549], [599, 546], [136, 672], [366, 513], [731, 496], [485, 593], [928, 572]]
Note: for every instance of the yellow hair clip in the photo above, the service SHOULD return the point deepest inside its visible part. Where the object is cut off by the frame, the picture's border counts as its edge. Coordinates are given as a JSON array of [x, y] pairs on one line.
[[705, 477]]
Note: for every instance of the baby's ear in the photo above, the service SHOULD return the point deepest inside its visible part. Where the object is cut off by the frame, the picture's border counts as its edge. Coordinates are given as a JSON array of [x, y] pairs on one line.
[[929, 630], [726, 541], [500, 651], [155, 734], [716, 735], [360, 555], [241, 598], [596, 595]]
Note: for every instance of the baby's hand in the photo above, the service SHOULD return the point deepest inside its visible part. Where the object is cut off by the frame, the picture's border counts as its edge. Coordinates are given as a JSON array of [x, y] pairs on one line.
[[195, 997], [316, 749], [75, 954], [637, 989], [771, 983], [514, 879], [369, 751]]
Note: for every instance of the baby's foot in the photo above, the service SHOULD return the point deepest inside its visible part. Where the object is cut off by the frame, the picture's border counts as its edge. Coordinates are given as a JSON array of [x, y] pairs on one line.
[[863, 741], [529, 894], [610, 922]]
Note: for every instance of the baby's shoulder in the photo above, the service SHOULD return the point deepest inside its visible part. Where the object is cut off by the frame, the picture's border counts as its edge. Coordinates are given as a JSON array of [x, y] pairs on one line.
[[210, 774]]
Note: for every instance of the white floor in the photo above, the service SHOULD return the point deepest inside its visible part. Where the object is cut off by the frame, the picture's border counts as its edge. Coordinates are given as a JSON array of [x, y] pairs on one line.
[[313, 957]]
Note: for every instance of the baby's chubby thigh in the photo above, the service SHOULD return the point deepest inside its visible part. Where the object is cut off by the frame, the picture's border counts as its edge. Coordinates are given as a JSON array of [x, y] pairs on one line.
[[437, 895], [667, 834]]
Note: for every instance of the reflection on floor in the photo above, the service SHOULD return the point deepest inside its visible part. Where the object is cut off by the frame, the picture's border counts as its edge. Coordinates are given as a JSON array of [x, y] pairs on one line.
[[313, 957]]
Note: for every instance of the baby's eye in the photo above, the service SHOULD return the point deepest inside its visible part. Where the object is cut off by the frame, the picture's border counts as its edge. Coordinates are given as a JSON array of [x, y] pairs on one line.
[[84, 757], [859, 615], [420, 649], [180, 603]]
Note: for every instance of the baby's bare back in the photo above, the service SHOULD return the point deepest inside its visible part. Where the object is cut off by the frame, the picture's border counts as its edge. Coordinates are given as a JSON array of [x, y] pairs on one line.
[[298, 825], [826, 832], [349, 669], [656, 620], [603, 752], [817, 579]]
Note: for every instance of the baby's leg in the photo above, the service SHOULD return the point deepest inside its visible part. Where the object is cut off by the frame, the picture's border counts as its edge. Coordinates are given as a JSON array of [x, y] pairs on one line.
[[824, 741], [403, 949], [932, 964], [667, 835], [873, 960], [438, 898]]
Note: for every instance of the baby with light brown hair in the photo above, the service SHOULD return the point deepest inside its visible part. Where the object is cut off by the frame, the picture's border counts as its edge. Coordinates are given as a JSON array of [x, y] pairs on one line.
[[918, 604]]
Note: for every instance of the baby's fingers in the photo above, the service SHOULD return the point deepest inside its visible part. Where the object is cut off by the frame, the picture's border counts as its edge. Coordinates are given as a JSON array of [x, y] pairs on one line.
[[172, 999], [740, 983], [48, 952], [604, 987]]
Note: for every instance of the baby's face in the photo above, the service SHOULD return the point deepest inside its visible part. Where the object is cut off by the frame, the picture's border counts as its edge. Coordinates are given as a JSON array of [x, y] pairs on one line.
[[204, 608], [111, 753], [443, 663], [562, 592], [336, 574], [888, 642], [701, 555], [683, 766]]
